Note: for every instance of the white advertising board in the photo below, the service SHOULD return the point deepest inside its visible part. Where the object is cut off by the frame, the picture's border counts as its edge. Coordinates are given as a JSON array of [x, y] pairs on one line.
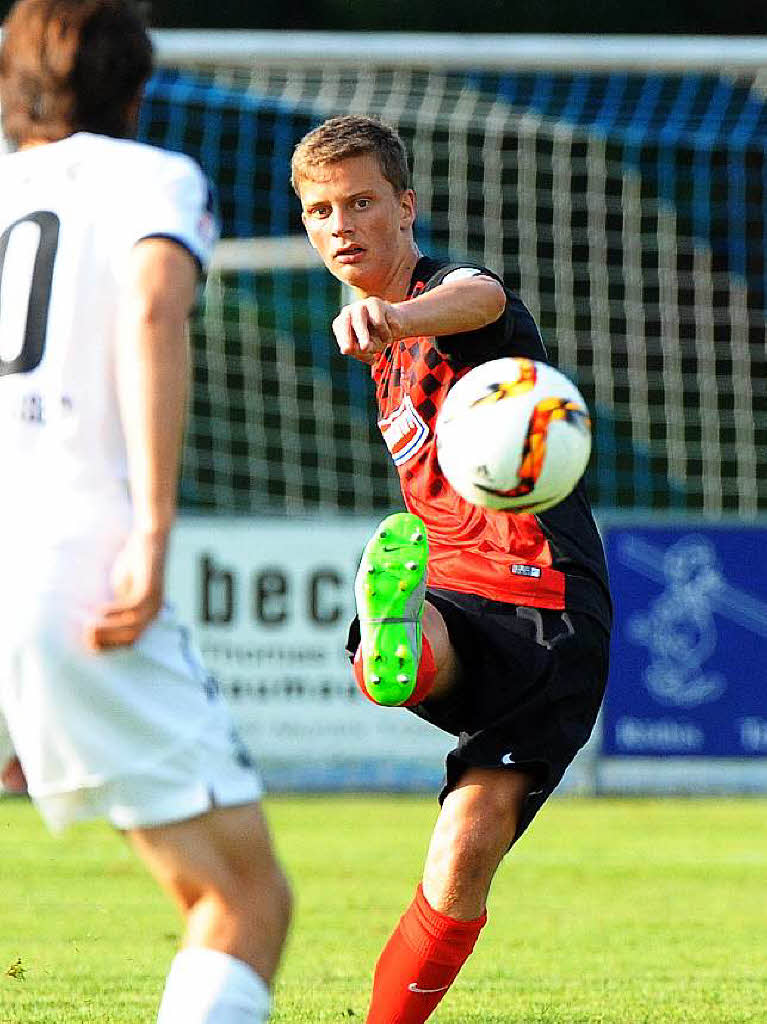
[[270, 602]]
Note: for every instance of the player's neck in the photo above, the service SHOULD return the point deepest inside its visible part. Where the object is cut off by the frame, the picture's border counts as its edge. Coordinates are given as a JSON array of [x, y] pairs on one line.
[[396, 285], [36, 143]]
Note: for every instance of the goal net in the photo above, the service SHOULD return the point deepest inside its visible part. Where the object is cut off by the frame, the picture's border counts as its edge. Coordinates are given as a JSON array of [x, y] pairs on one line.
[[620, 188]]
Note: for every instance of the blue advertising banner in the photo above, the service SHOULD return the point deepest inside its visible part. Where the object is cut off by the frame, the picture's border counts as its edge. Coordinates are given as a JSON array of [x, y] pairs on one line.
[[688, 674]]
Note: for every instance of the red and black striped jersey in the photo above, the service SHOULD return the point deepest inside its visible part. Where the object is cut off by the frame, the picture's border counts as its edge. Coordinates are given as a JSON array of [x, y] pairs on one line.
[[550, 560]]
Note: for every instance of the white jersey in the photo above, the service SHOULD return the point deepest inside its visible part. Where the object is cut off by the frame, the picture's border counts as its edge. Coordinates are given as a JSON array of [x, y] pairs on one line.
[[70, 213], [136, 734]]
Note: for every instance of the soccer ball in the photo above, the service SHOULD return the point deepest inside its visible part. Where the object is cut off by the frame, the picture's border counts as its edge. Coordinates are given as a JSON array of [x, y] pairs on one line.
[[514, 434]]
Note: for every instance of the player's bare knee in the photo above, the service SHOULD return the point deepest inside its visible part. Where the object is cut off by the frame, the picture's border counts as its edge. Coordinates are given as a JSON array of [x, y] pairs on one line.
[[185, 893], [479, 819], [273, 889], [462, 850], [265, 888]]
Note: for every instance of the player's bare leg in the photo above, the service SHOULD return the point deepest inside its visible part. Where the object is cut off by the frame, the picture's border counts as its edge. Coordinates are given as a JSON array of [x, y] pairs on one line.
[[474, 830], [222, 872]]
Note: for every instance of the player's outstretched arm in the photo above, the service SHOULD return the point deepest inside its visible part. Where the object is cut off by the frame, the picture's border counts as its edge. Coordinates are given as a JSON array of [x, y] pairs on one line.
[[364, 328], [454, 307], [152, 384]]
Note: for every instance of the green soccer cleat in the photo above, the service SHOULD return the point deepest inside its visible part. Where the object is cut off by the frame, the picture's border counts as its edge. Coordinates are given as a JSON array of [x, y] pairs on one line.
[[390, 590]]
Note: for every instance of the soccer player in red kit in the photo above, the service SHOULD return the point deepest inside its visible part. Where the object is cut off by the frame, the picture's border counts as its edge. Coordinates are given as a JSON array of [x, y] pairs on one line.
[[490, 625]]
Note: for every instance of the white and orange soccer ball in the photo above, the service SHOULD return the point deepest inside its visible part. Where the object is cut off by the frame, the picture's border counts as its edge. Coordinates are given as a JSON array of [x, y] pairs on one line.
[[514, 434]]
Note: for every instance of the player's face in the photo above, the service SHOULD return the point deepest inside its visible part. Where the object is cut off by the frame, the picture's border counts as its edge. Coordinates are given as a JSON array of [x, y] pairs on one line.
[[360, 226]]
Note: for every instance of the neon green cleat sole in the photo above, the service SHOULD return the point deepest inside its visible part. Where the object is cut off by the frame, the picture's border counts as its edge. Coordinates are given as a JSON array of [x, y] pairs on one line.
[[390, 590]]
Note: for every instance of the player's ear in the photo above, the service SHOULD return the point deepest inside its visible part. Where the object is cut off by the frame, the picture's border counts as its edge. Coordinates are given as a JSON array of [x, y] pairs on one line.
[[407, 209]]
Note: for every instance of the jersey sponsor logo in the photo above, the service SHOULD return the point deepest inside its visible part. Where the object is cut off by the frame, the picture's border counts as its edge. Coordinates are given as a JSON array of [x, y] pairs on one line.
[[404, 432], [412, 987], [526, 570]]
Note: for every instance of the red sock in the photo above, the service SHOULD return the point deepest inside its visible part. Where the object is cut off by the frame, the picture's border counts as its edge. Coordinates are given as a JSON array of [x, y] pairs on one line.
[[419, 963], [424, 681]]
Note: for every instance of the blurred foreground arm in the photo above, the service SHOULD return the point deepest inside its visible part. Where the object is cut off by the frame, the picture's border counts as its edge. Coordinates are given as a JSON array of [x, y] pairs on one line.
[[152, 383]]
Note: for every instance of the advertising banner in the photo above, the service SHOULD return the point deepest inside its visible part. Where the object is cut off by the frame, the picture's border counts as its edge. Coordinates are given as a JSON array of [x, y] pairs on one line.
[[687, 676], [270, 602]]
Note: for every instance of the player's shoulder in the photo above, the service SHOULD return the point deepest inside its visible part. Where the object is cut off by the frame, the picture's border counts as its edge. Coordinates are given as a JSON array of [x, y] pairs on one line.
[[100, 157], [9, 162], [514, 333], [128, 160], [19, 164], [432, 271]]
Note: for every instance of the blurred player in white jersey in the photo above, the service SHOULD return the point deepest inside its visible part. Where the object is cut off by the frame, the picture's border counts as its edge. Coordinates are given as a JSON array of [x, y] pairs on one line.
[[102, 242]]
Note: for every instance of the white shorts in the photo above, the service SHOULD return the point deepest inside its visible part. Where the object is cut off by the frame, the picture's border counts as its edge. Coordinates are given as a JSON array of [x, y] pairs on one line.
[[138, 735], [190, 781]]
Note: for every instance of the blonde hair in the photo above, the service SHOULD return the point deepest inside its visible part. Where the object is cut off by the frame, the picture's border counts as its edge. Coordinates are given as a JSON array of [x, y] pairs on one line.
[[340, 138]]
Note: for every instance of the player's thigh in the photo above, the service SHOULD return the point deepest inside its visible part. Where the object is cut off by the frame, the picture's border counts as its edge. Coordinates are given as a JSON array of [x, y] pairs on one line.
[[227, 850]]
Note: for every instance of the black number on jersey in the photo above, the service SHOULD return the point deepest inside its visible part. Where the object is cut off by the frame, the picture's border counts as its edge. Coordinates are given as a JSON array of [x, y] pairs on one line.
[[33, 345]]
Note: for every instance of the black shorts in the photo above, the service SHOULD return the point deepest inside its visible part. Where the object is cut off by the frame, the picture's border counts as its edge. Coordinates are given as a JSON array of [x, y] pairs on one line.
[[531, 686]]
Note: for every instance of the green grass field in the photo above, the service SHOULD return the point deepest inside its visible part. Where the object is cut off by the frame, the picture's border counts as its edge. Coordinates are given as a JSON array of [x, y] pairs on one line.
[[608, 912]]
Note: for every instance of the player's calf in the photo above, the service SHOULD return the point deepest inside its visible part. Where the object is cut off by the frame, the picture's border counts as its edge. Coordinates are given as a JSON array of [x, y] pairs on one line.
[[394, 664]]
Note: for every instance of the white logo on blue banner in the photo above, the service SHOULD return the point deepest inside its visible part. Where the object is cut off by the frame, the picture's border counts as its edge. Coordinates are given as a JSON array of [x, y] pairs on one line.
[[690, 635], [678, 628]]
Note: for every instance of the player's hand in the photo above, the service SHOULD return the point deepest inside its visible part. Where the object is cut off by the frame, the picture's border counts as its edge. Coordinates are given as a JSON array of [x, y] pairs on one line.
[[364, 328], [137, 579]]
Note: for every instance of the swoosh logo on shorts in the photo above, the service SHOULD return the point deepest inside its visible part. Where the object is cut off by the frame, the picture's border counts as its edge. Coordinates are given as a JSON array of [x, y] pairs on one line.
[[507, 759], [412, 987]]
